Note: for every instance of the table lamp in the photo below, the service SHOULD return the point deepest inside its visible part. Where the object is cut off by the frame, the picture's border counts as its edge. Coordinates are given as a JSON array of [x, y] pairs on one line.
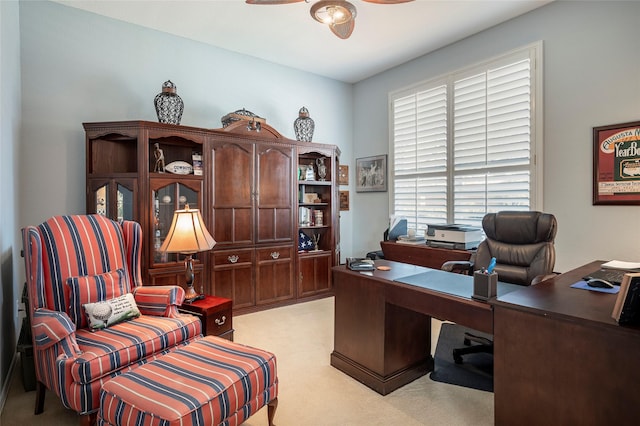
[[188, 235]]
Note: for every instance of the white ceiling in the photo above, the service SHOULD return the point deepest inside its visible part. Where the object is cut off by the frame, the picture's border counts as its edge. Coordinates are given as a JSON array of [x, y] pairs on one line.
[[384, 35]]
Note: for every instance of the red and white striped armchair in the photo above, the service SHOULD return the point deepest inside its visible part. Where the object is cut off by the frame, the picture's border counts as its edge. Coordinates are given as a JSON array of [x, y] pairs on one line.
[[74, 260]]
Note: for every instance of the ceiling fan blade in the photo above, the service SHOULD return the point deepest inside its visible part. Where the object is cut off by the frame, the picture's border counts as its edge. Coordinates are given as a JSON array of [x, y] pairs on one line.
[[387, 1], [272, 1], [343, 30]]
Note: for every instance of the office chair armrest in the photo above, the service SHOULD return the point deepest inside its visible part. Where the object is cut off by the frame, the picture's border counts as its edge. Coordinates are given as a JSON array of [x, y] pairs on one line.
[[540, 278], [458, 266]]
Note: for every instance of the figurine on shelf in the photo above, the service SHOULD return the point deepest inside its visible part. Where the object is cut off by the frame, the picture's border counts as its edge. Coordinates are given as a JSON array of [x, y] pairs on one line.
[[159, 155], [316, 241], [310, 174], [322, 169]]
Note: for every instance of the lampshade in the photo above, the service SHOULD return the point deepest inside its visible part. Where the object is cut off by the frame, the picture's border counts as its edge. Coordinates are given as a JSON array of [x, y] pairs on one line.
[[187, 233]]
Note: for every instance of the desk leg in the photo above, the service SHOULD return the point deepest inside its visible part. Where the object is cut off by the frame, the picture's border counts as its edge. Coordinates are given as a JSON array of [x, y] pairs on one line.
[[381, 345]]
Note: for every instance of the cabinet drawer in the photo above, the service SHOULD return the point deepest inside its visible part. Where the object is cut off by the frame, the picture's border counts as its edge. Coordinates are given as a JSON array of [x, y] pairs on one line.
[[232, 257], [218, 323], [215, 314], [274, 253]]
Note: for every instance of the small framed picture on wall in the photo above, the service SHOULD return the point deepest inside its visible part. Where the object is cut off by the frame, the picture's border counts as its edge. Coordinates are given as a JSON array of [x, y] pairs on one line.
[[343, 175], [344, 200], [371, 174]]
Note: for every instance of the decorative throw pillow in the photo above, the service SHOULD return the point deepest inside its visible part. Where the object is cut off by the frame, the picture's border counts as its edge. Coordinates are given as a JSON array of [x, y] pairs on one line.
[[93, 288], [304, 242], [103, 314]]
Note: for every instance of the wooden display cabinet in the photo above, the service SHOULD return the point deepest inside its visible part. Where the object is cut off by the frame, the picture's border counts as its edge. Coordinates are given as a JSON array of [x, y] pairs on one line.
[[318, 203], [252, 209], [122, 183], [112, 174], [249, 194]]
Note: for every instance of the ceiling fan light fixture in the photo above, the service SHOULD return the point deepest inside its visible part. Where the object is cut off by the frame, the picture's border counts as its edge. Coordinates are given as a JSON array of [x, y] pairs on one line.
[[338, 15], [333, 12]]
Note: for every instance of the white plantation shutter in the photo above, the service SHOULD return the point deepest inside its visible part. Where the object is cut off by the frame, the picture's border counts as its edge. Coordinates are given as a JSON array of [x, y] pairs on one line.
[[463, 145], [420, 156]]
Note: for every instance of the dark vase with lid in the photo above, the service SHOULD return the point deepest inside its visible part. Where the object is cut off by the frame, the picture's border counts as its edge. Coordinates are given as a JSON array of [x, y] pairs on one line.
[[304, 126], [169, 105]]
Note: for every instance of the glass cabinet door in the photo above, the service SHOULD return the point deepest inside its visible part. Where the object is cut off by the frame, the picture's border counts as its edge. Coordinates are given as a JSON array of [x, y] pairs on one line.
[[101, 200], [113, 198], [125, 202], [167, 199]]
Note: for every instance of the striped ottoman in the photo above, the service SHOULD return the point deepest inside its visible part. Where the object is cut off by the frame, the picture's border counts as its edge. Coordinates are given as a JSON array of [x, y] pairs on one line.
[[210, 381]]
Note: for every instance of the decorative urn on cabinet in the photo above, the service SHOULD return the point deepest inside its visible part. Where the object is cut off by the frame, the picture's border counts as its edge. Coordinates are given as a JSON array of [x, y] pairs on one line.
[[169, 105], [304, 126]]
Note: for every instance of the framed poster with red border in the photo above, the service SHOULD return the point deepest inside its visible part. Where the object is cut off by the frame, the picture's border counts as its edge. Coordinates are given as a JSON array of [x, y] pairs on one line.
[[616, 164]]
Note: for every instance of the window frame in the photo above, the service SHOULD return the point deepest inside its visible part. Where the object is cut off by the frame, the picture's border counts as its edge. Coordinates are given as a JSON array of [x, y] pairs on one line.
[[534, 51]]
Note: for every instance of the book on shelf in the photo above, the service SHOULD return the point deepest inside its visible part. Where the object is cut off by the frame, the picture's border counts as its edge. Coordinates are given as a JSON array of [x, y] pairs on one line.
[[197, 163], [627, 307], [304, 216]]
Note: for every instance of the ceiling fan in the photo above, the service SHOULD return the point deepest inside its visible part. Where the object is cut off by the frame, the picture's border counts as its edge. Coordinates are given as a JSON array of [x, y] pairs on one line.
[[338, 15]]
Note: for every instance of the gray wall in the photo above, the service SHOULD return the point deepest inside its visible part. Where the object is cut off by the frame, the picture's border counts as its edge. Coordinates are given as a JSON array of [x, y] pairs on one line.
[[591, 79], [9, 143], [76, 66], [79, 67]]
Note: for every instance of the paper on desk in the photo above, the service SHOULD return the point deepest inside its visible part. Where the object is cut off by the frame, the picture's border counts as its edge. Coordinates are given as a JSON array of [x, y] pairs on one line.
[[619, 264]]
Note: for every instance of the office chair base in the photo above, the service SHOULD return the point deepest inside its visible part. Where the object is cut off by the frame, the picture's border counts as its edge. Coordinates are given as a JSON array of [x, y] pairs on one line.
[[484, 346]]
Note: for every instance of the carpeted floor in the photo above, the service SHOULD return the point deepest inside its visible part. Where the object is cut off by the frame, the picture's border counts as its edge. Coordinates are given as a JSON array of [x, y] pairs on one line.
[[312, 393]]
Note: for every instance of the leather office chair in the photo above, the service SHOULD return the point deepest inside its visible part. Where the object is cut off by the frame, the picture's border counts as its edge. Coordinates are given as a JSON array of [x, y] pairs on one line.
[[522, 243]]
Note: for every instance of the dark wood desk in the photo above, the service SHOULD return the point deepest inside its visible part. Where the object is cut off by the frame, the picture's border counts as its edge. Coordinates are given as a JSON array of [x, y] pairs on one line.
[[559, 357], [383, 327], [421, 254]]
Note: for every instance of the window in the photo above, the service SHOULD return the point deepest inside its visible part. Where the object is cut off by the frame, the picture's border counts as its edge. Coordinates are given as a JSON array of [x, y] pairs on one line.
[[465, 144]]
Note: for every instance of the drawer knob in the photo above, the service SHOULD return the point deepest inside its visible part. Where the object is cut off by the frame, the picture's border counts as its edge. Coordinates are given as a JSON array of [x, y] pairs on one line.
[[275, 254], [221, 321], [233, 258]]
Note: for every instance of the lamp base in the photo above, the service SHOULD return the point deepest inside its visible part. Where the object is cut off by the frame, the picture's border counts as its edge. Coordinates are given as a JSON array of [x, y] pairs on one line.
[[190, 295]]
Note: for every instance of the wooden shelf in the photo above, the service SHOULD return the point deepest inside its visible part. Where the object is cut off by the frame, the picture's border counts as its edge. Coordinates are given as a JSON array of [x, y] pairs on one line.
[[315, 182]]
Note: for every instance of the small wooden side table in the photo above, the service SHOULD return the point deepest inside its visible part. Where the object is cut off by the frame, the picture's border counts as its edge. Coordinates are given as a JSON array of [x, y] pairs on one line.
[[215, 314]]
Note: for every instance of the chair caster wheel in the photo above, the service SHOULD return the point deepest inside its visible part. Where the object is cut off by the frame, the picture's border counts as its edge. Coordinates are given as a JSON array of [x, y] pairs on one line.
[[457, 357], [467, 342]]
